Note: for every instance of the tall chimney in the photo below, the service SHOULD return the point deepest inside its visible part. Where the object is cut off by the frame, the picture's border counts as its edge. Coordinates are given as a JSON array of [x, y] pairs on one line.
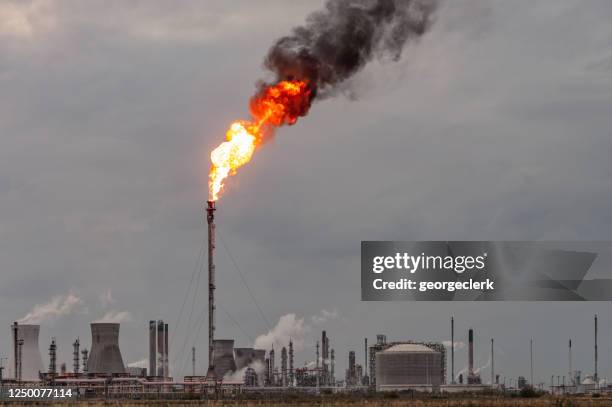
[[16, 349], [152, 348], [75, 356], [365, 363], [453, 350], [85, 354], [210, 218], [284, 376], [193, 360], [571, 376], [52, 357], [531, 359], [291, 380], [333, 367], [471, 352], [595, 376], [492, 364]]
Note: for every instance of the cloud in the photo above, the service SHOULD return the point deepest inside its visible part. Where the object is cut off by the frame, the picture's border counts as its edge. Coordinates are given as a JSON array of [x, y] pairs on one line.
[[289, 326], [458, 344], [107, 299], [25, 18], [324, 316], [140, 363], [115, 317], [238, 375], [58, 306]]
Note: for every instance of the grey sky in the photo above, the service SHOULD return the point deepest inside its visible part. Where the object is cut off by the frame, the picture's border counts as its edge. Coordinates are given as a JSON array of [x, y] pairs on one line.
[[496, 125]]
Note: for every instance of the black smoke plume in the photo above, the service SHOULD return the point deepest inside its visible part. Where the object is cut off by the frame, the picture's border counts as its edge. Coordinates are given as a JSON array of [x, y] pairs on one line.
[[336, 42]]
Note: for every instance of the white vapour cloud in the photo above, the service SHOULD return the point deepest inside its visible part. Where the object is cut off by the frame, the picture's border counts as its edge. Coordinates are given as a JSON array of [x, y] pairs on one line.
[[238, 375], [115, 317], [477, 370], [107, 299], [26, 18], [289, 326], [58, 306], [458, 344], [143, 363], [324, 316]]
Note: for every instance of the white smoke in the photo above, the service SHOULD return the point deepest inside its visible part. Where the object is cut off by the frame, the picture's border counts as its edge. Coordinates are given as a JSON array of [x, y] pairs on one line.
[[107, 299], [142, 363], [58, 306], [324, 317], [477, 370], [115, 317], [458, 344], [238, 375], [289, 327]]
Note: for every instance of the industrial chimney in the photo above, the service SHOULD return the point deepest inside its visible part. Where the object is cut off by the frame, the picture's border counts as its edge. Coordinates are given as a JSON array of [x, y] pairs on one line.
[[105, 356], [471, 353], [28, 361], [210, 218], [158, 349], [595, 375], [453, 350]]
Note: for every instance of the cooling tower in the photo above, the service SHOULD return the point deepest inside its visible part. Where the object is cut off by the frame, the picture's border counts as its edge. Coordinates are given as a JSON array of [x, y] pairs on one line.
[[105, 356], [223, 357], [31, 360], [244, 357]]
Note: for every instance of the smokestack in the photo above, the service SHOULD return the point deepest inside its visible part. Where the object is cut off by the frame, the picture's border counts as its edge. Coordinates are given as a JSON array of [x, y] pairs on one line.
[[193, 361], [16, 349], [595, 376], [152, 348], [291, 379], [471, 352], [284, 367], [333, 368], [492, 364], [272, 366], [85, 354], [571, 376], [210, 218], [160, 355], [52, 357], [453, 350], [20, 357], [75, 356], [365, 354], [531, 359]]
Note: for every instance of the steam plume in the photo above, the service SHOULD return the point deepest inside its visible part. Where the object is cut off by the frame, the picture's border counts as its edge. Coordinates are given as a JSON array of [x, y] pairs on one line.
[[58, 306], [289, 326], [115, 317], [337, 42]]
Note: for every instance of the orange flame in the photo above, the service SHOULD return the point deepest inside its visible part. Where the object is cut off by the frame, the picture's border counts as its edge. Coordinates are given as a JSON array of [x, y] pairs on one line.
[[272, 107]]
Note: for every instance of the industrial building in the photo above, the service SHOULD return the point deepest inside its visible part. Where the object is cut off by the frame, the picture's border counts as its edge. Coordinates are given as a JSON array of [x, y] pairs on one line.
[[105, 356], [223, 357], [27, 361], [408, 365], [158, 349]]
